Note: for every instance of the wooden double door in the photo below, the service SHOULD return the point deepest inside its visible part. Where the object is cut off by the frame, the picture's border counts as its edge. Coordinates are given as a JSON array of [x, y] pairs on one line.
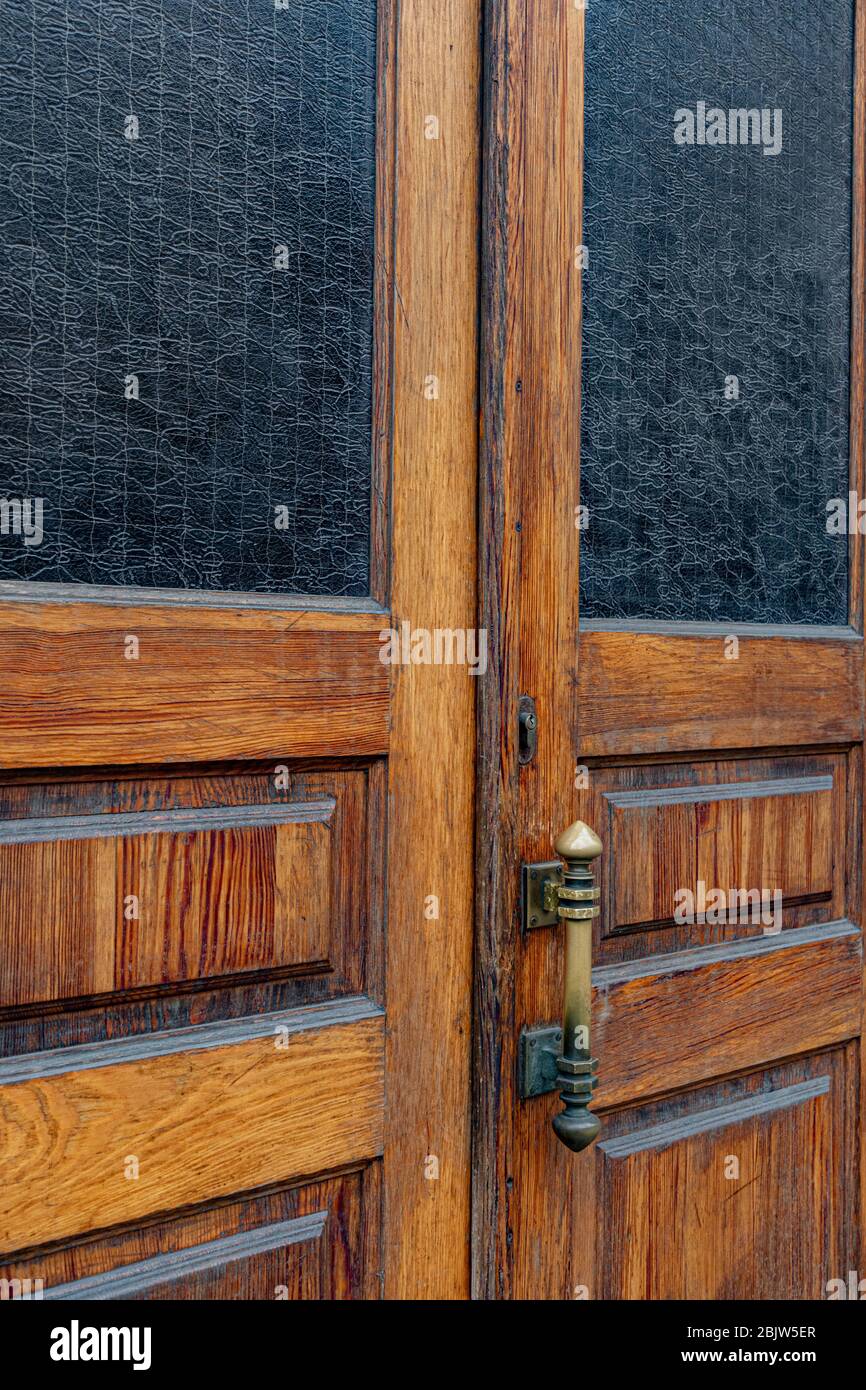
[[272, 607]]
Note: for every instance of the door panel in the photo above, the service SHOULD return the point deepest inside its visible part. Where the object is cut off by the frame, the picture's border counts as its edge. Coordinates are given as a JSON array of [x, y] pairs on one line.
[[735, 1005], [700, 1180], [783, 682], [204, 683], [779, 821], [313, 1242], [250, 1102], [704, 713], [191, 881], [223, 320], [758, 559]]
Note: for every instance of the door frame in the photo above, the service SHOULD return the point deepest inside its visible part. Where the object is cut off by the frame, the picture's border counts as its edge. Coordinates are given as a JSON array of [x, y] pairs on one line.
[[528, 574], [434, 544]]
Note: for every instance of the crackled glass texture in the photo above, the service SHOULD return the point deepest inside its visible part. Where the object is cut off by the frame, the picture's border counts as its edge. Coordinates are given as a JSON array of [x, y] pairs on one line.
[[708, 263], [186, 291]]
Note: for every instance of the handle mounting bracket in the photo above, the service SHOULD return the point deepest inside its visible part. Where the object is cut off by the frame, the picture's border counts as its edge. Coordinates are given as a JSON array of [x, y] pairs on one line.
[[538, 1057], [539, 898]]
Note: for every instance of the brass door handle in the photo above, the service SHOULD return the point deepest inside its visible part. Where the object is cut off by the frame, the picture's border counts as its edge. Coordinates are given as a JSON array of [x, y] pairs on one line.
[[577, 905]]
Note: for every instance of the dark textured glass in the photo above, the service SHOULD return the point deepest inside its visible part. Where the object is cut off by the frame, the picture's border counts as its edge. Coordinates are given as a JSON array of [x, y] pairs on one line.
[[187, 199], [708, 263]]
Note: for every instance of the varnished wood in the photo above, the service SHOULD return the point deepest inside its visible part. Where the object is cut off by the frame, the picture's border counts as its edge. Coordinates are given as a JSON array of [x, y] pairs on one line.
[[687, 1017], [27, 830], [679, 1013], [775, 835], [528, 575], [57, 943], [154, 777], [647, 692], [737, 1189], [318, 1241], [199, 1037], [179, 880], [163, 1273], [433, 585], [208, 683], [204, 1116], [220, 902], [733, 822]]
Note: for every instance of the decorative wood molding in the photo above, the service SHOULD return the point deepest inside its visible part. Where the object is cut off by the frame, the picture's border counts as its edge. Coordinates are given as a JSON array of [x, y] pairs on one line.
[[128, 1280], [723, 791], [721, 1117], [35, 830], [203, 1037], [235, 1110]]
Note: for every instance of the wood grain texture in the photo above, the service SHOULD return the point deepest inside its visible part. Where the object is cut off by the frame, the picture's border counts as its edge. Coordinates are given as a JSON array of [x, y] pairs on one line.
[[638, 695], [208, 683], [649, 692], [233, 685], [264, 1253], [319, 1241], [702, 1181], [686, 1017], [202, 1121], [749, 821], [748, 836], [214, 903], [429, 959], [356, 930], [227, 874], [529, 493], [59, 917], [206, 904]]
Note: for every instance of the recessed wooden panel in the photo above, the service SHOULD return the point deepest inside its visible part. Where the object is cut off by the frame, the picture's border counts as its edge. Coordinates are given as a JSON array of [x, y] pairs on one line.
[[657, 688], [318, 1241], [57, 919], [746, 837], [114, 886], [198, 1113], [735, 1191], [222, 901], [741, 827]]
